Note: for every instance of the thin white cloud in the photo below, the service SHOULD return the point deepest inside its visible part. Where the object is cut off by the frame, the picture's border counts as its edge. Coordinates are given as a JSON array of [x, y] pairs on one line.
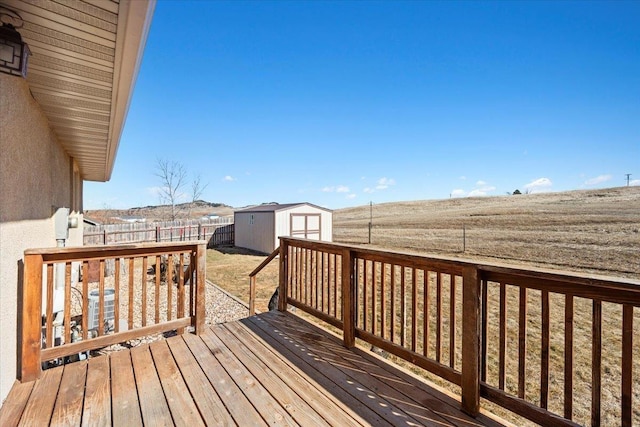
[[634, 182], [462, 177], [369, 190], [336, 189], [481, 191], [482, 188], [384, 183], [228, 178], [598, 180], [351, 196], [538, 185]]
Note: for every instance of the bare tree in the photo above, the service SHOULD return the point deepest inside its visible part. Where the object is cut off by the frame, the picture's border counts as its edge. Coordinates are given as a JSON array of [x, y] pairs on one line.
[[197, 187], [172, 177]]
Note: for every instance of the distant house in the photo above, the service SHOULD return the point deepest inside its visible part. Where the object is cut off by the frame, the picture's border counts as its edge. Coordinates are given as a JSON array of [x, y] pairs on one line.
[[131, 219], [89, 221], [259, 227]]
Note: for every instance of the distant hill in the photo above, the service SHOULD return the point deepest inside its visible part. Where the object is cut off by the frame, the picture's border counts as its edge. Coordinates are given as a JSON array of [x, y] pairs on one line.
[[195, 210]]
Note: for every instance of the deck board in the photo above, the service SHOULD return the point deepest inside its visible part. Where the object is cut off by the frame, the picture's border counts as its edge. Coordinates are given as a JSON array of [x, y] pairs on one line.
[[265, 404], [15, 403], [209, 405], [97, 398], [183, 409], [242, 411], [300, 411], [270, 369], [307, 389], [124, 395], [42, 399], [68, 407], [153, 405]]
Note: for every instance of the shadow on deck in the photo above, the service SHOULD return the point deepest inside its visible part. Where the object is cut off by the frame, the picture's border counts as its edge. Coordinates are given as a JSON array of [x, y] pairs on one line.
[[273, 368]]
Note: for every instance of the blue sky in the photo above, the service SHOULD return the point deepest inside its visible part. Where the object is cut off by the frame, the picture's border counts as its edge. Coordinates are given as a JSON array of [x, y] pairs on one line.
[[343, 103]]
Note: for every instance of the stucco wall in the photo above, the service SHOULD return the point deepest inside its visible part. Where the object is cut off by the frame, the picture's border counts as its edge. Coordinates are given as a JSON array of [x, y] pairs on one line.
[[36, 176]]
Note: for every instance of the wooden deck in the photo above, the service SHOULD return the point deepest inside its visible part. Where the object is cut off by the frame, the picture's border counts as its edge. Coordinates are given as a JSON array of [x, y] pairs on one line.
[[273, 368]]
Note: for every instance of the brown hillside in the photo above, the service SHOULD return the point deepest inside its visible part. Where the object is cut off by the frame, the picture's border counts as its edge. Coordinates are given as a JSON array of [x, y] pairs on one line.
[[595, 231]]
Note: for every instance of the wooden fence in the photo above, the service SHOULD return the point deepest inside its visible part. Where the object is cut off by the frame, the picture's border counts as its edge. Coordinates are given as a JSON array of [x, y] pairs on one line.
[[216, 232], [547, 346]]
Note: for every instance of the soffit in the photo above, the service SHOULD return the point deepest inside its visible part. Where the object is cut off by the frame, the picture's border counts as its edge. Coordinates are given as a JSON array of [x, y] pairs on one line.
[[85, 57]]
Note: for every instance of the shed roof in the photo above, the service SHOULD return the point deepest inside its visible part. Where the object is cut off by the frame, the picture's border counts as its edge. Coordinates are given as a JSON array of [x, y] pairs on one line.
[[275, 207]]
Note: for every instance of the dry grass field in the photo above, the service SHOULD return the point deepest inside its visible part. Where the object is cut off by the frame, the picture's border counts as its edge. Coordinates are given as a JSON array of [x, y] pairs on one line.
[[595, 232]]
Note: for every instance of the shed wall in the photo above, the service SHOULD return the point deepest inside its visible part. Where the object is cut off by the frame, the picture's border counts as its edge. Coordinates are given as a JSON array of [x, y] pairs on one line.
[[257, 234], [283, 222]]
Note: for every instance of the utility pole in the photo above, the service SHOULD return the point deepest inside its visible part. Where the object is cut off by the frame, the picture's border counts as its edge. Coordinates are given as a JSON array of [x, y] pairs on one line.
[[628, 175], [370, 219]]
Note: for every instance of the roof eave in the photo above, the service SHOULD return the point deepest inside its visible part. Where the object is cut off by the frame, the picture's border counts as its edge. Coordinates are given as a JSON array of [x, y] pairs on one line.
[[134, 22]]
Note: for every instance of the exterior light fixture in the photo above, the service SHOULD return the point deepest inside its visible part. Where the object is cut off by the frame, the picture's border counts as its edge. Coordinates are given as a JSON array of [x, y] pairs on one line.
[[14, 53]]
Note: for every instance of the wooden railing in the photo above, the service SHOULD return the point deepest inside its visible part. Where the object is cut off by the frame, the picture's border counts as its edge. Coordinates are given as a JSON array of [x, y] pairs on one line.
[[520, 338], [252, 279], [79, 299]]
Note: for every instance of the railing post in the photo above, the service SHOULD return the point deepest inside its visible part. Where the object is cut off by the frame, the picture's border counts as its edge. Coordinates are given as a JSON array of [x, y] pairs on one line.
[[471, 341], [252, 295], [199, 307], [348, 300], [283, 276], [31, 319]]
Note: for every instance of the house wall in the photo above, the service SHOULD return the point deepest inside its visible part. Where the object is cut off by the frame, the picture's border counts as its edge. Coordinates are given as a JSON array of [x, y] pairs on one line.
[[257, 235], [36, 177], [283, 222]]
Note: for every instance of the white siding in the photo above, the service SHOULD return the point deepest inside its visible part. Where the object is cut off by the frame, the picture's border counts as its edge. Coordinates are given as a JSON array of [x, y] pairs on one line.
[[256, 234], [284, 218]]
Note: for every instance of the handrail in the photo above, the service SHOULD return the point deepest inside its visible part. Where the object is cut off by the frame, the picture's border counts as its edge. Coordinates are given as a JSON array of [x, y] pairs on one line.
[[252, 280], [451, 317], [171, 290]]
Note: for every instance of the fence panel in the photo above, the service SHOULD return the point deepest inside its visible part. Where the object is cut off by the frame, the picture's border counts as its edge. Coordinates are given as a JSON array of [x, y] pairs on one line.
[[217, 232]]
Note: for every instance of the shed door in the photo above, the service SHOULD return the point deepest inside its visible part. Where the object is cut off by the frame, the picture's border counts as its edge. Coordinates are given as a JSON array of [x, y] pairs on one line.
[[305, 226]]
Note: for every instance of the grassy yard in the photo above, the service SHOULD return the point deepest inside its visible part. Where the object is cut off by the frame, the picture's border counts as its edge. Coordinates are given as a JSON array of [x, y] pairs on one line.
[[229, 268]]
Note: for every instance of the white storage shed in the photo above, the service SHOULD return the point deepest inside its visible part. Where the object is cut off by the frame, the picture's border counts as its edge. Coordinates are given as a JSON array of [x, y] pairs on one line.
[[259, 227]]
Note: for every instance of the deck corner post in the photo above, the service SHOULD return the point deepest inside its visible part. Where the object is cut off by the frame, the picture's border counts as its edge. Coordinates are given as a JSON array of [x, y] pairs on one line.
[[348, 300], [200, 303], [471, 341], [30, 319], [252, 295], [283, 276]]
